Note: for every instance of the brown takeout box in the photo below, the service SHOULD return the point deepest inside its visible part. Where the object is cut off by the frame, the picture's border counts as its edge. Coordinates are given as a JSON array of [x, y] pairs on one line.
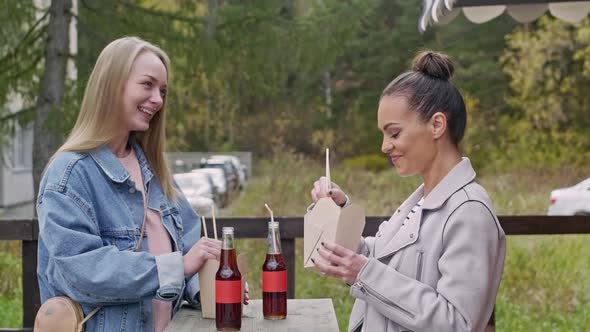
[[326, 221], [207, 284]]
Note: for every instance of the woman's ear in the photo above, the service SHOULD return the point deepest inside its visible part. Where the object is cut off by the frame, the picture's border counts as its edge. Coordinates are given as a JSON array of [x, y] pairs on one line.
[[438, 124]]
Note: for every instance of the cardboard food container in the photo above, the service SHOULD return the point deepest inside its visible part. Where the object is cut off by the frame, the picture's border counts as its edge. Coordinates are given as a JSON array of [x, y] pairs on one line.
[[326, 221], [207, 284]]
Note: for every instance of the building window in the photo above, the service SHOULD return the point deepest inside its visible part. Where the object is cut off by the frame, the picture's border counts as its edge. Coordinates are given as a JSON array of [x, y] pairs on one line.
[[22, 152]]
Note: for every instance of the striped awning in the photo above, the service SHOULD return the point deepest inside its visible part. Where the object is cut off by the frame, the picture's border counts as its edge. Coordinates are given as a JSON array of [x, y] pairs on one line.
[[440, 12]]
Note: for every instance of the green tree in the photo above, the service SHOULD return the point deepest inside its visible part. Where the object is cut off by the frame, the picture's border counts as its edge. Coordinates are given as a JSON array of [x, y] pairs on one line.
[[21, 53], [548, 68]]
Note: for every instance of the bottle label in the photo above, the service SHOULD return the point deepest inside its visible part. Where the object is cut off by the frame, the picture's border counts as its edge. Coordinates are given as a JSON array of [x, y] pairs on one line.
[[274, 281], [229, 291]]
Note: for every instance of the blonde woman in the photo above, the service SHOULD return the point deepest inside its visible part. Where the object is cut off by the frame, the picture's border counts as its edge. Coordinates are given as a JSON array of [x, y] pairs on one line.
[[436, 264], [103, 183]]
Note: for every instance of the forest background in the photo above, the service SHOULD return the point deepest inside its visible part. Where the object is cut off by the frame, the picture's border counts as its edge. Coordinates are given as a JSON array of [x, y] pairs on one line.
[[285, 79]]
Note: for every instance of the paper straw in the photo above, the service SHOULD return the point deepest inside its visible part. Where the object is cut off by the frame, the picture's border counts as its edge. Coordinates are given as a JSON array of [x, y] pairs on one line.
[[204, 226], [214, 223], [328, 169], [272, 229], [272, 218]]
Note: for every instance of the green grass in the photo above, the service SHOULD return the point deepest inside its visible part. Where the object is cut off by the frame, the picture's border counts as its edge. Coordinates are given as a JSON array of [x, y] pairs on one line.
[[10, 284], [545, 283]]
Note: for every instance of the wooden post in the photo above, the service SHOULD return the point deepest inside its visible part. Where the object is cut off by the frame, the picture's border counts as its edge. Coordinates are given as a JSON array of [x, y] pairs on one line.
[[288, 246], [31, 299]]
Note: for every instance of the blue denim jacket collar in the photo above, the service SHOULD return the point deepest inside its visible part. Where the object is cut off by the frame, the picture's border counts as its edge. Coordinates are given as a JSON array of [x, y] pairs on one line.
[[113, 168]]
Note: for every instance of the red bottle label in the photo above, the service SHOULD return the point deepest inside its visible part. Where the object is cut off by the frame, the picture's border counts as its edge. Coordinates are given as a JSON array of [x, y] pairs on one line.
[[274, 281], [228, 291]]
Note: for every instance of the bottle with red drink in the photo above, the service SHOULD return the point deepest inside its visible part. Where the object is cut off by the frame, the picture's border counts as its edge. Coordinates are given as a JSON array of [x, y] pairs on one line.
[[228, 286], [274, 277]]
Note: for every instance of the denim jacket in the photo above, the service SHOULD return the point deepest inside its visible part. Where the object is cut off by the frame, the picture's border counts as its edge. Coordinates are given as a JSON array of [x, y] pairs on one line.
[[90, 215]]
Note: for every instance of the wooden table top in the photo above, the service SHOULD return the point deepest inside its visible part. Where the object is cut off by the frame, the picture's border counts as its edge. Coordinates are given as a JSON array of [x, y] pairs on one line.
[[303, 315]]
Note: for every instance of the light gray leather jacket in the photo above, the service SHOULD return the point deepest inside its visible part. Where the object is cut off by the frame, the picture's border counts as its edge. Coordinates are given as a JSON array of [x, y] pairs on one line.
[[435, 269]]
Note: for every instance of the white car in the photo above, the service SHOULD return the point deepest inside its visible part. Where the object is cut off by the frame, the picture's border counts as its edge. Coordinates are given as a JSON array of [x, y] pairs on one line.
[[219, 181], [574, 200], [194, 184], [197, 191], [241, 168]]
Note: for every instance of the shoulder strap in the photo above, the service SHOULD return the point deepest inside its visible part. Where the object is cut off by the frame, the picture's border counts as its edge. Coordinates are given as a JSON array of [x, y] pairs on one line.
[[146, 207]]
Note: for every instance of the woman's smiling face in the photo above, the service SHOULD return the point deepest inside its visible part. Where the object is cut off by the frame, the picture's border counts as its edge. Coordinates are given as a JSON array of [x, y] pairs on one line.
[[144, 92], [406, 138]]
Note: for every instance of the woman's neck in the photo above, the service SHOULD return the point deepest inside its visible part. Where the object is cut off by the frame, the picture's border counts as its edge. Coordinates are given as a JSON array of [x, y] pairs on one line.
[[442, 164], [119, 146]]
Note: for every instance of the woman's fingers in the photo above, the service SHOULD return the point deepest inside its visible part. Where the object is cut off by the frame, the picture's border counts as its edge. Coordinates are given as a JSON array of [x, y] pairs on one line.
[[330, 256], [323, 188], [246, 293], [337, 249], [325, 269], [338, 196]]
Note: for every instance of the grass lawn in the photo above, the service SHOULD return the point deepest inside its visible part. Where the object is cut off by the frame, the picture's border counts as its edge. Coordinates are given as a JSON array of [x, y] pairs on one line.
[[10, 284]]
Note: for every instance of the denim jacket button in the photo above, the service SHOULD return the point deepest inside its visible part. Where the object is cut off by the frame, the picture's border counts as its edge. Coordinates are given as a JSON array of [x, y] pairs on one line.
[[132, 190]]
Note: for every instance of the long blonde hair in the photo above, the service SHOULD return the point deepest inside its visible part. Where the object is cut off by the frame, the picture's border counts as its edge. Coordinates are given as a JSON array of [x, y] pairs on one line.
[[101, 108]]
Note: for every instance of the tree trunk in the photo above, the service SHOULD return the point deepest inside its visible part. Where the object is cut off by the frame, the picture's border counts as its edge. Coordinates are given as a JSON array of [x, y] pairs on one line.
[[46, 141]]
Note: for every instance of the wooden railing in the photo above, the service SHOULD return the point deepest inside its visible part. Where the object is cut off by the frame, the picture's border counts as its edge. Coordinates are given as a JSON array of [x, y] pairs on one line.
[[26, 230]]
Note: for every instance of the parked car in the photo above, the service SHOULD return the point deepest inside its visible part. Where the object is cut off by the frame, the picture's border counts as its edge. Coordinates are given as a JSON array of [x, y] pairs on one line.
[[231, 173], [240, 167], [574, 200], [200, 177], [198, 192], [219, 181]]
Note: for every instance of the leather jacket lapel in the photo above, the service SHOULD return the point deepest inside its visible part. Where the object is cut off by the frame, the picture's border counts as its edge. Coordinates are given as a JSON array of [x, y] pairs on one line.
[[404, 236]]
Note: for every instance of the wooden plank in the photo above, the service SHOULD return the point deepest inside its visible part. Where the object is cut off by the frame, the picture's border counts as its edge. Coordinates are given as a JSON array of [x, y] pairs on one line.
[[545, 225], [292, 227], [257, 227], [471, 3], [303, 315], [520, 225], [17, 229]]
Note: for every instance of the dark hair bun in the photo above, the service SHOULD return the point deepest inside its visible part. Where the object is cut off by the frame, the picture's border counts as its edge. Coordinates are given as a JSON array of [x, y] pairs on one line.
[[437, 65]]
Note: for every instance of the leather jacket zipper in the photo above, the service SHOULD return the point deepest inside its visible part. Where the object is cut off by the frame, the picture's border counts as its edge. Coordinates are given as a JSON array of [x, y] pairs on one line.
[[356, 327], [419, 267], [367, 290]]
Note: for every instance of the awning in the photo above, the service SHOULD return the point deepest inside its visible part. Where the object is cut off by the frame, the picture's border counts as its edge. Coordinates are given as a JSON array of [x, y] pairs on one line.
[[440, 12]]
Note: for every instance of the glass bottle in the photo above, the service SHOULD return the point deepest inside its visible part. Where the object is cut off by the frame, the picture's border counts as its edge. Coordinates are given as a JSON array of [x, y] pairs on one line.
[[274, 277], [228, 286]]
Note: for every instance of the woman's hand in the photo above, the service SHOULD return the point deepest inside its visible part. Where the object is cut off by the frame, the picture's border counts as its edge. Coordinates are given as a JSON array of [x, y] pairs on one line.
[[344, 264], [200, 252], [246, 293], [320, 189]]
